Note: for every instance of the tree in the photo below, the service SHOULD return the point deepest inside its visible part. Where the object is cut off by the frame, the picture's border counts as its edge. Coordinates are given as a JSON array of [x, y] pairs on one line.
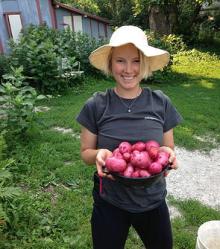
[[161, 16], [119, 12], [85, 5], [171, 16]]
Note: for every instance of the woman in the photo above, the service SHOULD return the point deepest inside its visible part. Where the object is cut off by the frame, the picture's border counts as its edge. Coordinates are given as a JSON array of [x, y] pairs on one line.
[[127, 113]]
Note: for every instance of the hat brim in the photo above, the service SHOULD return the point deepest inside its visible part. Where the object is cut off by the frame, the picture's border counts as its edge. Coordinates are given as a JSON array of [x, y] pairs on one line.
[[158, 58]]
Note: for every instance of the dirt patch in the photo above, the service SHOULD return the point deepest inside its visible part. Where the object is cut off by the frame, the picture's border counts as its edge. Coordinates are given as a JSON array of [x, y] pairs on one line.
[[67, 131]]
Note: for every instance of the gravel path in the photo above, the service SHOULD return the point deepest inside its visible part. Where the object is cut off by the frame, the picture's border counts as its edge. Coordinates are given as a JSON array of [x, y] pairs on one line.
[[198, 177]]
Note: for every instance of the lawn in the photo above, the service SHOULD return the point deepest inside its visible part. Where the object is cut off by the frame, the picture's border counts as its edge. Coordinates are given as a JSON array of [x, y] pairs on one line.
[[55, 206]]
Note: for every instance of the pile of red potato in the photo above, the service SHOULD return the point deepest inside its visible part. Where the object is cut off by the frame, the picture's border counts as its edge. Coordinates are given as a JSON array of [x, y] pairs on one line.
[[141, 159]]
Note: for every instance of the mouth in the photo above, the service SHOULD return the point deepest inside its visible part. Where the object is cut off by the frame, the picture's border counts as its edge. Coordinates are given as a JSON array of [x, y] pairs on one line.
[[128, 78]]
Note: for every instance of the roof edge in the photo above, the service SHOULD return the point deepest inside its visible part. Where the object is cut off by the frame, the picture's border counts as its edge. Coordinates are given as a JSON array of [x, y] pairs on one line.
[[67, 7]]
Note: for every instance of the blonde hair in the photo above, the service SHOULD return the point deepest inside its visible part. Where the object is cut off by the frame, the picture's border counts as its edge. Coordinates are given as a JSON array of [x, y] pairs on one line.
[[145, 71]]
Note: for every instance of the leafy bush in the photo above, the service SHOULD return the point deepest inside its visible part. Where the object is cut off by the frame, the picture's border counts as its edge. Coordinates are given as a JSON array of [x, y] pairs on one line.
[[40, 58], [195, 55], [17, 100], [41, 51], [172, 43], [217, 38], [206, 32], [79, 45], [4, 65], [7, 191]]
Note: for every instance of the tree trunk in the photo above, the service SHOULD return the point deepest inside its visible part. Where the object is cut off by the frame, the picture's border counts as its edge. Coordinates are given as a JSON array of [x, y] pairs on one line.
[[163, 19]]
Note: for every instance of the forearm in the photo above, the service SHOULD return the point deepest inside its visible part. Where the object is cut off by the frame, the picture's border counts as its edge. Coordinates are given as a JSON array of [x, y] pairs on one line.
[[168, 139], [89, 156]]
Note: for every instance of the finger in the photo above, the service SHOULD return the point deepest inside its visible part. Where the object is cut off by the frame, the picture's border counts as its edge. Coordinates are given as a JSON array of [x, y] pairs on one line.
[[100, 173], [100, 161], [166, 173], [172, 156], [109, 176], [174, 164], [166, 149], [100, 170]]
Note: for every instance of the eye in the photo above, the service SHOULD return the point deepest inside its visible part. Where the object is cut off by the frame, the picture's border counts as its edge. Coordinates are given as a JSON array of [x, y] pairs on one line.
[[137, 61], [119, 60]]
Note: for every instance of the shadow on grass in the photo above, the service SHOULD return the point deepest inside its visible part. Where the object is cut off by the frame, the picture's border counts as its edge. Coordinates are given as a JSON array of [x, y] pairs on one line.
[[208, 49], [184, 79]]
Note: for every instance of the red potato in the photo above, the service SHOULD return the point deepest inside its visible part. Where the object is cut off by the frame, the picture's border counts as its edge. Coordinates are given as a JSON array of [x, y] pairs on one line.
[[129, 170], [155, 168], [127, 156], [135, 152], [140, 159], [114, 164], [140, 146], [135, 174], [163, 158], [124, 147], [151, 143], [117, 153], [144, 173], [153, 153]]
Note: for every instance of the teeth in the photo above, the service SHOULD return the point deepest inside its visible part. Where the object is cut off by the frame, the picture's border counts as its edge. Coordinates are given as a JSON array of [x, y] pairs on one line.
[[128, 78]]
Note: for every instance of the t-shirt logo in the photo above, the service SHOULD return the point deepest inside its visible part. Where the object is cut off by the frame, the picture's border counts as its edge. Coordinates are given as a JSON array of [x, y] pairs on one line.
[[151, 118]]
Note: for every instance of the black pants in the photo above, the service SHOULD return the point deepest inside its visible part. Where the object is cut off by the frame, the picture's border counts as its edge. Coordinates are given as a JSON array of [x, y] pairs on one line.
[[110, 226]]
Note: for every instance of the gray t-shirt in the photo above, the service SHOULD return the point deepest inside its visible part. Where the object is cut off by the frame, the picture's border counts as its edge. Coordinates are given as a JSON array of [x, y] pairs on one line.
[[106, 115]]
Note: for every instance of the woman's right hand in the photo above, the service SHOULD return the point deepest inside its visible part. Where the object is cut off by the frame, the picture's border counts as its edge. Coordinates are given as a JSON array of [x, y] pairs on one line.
[[101, 157]]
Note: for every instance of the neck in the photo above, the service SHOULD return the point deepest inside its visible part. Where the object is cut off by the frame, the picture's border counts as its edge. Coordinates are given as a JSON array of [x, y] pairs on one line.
[[128, 94]]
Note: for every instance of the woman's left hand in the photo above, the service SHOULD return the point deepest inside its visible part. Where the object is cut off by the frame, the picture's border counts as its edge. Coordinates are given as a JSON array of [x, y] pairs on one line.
[[172, 156]]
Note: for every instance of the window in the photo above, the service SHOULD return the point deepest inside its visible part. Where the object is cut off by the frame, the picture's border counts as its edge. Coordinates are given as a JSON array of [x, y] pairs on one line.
[[67, 22], [77, 23], [14, 25]]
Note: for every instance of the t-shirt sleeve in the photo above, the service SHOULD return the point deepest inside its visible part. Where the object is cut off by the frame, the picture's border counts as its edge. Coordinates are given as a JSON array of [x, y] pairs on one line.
[[171, 116], [87, 117]]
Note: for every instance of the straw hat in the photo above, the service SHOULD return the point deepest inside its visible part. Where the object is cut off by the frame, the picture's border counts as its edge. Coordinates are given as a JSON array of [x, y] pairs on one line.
[[157, 58]]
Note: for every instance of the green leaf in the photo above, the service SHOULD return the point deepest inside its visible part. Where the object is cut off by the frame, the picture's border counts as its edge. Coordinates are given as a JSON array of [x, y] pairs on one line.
[[2, 213], [40, 97], [4, 174], [9, 192]]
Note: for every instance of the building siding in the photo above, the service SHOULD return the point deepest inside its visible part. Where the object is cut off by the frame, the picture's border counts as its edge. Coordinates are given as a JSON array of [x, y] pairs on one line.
[[94, 27], [3, 30], [45, 12], [28, 11], [60, 13], [10, 6], [37, 12]]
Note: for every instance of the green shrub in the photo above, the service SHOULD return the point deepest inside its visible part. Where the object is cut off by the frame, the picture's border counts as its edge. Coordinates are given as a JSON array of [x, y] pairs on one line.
[[79, 45], [4, 65], [217, 38], [17, 100], [172, 43], [206, 32], [41, 51], [40, 57], [196, 56]]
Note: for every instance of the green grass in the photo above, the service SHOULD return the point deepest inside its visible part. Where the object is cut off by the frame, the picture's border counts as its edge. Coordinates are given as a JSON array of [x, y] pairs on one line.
[[194, 88], [55, 207]]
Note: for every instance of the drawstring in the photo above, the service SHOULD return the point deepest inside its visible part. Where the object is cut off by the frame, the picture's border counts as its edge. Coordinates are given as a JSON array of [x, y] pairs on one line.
[[100, 185]]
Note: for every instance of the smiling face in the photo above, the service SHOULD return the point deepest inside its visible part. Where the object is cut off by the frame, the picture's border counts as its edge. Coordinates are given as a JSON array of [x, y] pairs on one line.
[[125, 67]]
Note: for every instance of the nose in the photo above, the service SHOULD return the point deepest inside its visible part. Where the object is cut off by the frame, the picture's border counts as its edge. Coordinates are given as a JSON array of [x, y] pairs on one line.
[[128, 67]]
